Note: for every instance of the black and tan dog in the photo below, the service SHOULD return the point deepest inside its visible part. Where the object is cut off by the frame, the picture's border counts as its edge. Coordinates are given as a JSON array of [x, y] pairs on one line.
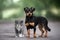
[[32, 21]]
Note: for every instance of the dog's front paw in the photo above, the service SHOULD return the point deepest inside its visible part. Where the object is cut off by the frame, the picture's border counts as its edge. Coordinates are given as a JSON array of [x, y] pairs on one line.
[[28, 36], [34, 36], [45, 36], [41, 36]]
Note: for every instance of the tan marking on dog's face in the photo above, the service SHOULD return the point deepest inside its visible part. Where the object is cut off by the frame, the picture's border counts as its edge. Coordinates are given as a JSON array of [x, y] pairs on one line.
[[29, 14], [32, 23]]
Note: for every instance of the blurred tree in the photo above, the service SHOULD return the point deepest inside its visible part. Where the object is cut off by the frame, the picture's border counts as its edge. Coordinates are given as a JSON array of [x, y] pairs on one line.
[[1, 7], [43, 7], [55, 2]]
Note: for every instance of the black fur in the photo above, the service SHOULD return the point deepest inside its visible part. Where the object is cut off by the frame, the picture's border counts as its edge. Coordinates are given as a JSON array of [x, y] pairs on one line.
[[37, 20]]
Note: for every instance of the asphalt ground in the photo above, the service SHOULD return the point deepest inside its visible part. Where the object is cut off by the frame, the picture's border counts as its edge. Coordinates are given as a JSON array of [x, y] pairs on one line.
[[7, 31]]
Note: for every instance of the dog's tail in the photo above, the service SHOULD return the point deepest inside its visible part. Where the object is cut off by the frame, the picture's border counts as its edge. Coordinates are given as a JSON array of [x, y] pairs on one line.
[[48, 28]]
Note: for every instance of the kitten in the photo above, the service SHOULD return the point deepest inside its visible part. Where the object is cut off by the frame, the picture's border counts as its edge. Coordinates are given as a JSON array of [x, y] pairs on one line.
[[19, 28]]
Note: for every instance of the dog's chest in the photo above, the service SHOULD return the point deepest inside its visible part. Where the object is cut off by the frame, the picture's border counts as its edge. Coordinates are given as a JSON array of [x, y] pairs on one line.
[[30, 19]]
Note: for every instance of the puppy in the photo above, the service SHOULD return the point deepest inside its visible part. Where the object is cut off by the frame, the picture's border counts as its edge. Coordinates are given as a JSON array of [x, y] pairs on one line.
[[32, 21]]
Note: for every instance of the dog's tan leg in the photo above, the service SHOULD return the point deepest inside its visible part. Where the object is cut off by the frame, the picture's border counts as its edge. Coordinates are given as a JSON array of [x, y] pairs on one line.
[[28, 32], [45, 34], [40, 28], [34, 34], [41, 35]]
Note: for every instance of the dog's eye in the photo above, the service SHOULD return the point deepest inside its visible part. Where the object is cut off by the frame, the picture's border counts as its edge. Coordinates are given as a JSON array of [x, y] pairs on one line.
[[31, 11], [26, 11]]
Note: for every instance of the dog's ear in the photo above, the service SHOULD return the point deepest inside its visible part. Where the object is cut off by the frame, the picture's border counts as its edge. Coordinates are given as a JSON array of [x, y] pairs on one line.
[[25, 8], [33, 9]]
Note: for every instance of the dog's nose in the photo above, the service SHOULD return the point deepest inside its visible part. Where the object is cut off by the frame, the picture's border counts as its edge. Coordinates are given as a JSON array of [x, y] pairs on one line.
[[29, 14]]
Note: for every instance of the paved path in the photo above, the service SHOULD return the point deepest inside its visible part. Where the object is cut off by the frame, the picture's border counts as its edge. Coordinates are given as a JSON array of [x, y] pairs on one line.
[[7, 32]]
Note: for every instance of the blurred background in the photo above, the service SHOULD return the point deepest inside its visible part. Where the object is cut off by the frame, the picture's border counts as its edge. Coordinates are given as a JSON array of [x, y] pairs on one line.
[[12, 9]]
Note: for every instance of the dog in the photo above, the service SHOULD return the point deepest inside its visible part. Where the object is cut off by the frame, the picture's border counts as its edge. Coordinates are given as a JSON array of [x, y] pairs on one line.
[[19, 28], [32, 21]]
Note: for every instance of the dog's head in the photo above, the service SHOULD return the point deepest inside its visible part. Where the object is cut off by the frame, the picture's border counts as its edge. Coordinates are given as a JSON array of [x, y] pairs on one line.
[[29, 11]]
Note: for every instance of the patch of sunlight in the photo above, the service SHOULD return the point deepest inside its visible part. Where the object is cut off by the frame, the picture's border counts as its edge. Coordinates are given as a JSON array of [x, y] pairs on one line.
[[54, 11], [15, 1], [43, 13], [9, 12]]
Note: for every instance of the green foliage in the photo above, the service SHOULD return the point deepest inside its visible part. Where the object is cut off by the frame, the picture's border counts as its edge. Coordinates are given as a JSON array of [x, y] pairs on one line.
[[0, 16], [52, 16], [38, 4]]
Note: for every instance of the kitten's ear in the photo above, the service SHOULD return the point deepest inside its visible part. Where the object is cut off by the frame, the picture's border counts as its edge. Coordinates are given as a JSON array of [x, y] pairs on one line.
[[25, 8], [33, 9]]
